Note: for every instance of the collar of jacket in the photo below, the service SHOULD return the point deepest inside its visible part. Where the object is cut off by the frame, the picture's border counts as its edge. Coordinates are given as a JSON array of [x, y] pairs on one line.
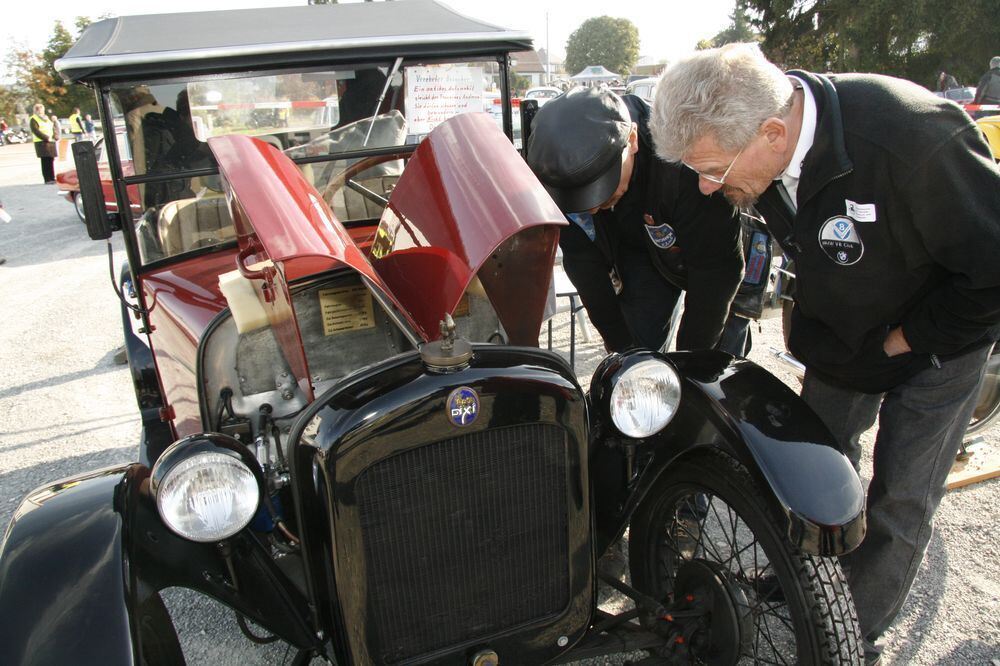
[[827, 159]]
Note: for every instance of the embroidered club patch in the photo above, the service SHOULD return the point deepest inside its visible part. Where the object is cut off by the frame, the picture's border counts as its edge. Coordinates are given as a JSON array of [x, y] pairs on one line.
[[840, 241], [756, 262], [662, 235], [463, 406]]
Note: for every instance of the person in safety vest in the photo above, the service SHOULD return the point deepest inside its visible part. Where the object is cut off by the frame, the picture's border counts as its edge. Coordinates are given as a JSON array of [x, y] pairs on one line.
[[76, 124], [43, 136]]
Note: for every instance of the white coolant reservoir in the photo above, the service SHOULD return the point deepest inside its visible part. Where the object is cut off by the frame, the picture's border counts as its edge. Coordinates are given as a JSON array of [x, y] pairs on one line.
[[244, 299]]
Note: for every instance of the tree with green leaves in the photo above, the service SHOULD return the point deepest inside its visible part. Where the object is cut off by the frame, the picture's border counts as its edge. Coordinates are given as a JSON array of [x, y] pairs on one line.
[[36, 76], [603, 40], [912, 39], [12, 102], [740, 29]]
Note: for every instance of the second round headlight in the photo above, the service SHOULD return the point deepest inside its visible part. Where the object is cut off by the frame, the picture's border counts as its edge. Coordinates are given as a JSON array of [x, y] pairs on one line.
[[645, 398]]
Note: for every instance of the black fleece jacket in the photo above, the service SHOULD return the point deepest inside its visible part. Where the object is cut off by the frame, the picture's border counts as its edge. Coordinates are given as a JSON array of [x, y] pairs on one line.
[[898, 224], [699, 237]]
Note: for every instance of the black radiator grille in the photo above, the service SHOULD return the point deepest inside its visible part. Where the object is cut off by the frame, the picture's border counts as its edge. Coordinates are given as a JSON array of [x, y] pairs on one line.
[[464, 537]]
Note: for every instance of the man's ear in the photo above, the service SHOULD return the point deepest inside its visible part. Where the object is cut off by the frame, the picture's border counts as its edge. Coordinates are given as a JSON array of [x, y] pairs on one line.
[[775, 131], [633, 140]]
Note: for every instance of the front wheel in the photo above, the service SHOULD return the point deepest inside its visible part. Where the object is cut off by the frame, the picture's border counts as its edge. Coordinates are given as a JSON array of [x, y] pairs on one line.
[[78, 204], [158, 641], [706, 538], [988, 404]]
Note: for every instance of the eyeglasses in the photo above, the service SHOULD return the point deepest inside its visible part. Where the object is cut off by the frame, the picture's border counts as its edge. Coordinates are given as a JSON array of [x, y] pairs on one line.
[[718, 180]]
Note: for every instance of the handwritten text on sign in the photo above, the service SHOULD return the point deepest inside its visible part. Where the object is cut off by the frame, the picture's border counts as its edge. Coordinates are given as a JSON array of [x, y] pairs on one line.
[[437, 92]]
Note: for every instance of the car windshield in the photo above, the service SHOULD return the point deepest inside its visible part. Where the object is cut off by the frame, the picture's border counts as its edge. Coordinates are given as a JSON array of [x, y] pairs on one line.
[[324, 120]]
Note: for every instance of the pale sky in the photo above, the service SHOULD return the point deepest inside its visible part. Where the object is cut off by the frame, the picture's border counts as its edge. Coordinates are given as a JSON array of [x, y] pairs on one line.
[[667, 28]]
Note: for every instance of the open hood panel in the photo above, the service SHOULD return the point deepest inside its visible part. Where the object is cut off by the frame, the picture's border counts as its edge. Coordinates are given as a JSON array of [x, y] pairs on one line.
[[466, 204]]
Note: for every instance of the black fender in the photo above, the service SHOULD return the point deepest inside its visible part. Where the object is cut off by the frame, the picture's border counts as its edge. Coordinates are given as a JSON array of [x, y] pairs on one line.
[[80, 556], [65, 591], [746, 411]]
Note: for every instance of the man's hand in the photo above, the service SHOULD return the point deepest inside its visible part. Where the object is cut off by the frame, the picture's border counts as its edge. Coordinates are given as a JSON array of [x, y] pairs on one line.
[[895, 343]]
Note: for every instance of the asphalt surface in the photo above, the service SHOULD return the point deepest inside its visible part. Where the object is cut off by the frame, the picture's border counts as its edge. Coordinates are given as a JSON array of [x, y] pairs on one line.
[[65, 408]]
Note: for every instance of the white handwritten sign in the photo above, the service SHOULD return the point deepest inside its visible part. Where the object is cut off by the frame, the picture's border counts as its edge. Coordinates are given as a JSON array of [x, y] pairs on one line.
[[435, 93]]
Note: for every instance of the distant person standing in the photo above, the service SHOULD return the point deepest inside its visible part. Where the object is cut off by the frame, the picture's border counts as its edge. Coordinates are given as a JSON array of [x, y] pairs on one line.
[[88, 127], [946, 82], [988, 88], [76, 124], [44, 138], [56, 127]]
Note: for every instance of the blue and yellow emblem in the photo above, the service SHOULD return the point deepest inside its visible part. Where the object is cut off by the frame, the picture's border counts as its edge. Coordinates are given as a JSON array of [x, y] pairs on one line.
[[463, 406]]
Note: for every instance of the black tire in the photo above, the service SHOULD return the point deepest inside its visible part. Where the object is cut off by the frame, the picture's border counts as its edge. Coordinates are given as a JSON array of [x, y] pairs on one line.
[[78, 205], [786, 320], [988, 405], [812, 620], [158, 643]]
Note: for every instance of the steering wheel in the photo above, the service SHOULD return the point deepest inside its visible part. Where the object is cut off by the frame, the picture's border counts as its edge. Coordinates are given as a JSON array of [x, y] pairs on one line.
[[346, 177]]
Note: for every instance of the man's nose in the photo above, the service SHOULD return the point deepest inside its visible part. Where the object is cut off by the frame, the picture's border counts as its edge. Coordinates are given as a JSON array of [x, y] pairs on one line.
[[706, 186]]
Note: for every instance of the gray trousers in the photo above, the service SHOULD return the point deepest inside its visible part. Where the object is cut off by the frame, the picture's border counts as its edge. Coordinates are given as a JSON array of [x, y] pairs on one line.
[[921, 425]]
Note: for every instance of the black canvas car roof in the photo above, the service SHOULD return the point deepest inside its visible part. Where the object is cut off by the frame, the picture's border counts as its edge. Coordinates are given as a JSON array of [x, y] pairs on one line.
[[157, 45]]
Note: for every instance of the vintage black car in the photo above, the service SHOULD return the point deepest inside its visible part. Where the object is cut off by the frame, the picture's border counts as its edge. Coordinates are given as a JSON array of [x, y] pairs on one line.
[[350, 436]]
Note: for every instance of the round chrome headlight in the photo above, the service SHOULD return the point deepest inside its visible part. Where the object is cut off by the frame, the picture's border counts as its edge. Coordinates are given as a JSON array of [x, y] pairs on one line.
[[205, 495], [645, 398]]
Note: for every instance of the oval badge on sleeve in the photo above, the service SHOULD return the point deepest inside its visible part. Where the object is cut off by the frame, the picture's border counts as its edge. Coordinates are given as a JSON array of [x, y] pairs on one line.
[[463, 406], [663, 235], [840, 241]]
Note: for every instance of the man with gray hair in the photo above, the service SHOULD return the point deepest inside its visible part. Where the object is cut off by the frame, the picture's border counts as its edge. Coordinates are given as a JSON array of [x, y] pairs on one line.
[[988, 88], [888, 200]]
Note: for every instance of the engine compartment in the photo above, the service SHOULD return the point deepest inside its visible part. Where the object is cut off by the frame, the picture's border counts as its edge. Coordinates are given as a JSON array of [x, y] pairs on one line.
[[247, 385]]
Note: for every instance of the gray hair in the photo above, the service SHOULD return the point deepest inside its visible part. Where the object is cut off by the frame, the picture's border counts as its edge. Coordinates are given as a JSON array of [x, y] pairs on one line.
[[994, 62], [725, 93]]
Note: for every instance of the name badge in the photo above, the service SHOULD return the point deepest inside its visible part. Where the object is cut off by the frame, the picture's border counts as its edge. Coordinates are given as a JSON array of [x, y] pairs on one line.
[[860, 212]]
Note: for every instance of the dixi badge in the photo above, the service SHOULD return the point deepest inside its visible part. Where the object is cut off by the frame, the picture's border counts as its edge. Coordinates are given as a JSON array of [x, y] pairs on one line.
[[463, 406]]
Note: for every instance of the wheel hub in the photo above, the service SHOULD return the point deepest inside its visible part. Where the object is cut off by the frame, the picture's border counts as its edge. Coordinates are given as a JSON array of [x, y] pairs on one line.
[[710, 618]]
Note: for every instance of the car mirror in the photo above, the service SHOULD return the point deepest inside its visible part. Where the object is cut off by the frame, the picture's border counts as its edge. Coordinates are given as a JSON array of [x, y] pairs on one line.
[[95, 214], [529, 107]]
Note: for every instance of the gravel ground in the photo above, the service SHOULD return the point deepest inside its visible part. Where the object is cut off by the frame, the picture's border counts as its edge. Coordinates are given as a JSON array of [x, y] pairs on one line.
[[65, 408]]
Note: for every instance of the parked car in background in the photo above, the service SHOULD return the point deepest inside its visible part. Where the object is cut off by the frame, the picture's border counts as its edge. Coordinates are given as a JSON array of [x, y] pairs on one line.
[[990, 127], [350, 436], [961, 96], [644, 88], [69, 184], [542, 94]]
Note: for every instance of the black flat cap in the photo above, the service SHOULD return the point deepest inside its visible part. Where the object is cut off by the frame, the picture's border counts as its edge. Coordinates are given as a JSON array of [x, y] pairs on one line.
[[575, 147]]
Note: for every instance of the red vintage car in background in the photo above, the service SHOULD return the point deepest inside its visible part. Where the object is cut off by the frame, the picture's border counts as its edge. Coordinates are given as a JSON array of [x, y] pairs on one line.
[[69, 184], [350, 436]]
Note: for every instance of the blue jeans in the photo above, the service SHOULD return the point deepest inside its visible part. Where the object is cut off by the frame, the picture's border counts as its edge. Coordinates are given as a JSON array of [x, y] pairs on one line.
[[921, 425]]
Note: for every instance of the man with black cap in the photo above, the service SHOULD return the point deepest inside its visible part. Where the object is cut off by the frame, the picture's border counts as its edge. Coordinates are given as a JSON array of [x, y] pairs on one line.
[[632, 214]]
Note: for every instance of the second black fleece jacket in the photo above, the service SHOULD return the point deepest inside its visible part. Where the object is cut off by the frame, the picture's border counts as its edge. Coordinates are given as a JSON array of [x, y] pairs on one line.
[[898, 224], [706, 244]]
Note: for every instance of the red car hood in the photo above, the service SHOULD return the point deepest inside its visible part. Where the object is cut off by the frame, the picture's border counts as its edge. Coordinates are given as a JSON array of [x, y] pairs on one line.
[[466, 205]]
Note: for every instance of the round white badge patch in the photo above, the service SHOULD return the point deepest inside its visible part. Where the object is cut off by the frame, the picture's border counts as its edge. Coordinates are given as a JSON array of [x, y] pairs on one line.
[[840, 241]]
